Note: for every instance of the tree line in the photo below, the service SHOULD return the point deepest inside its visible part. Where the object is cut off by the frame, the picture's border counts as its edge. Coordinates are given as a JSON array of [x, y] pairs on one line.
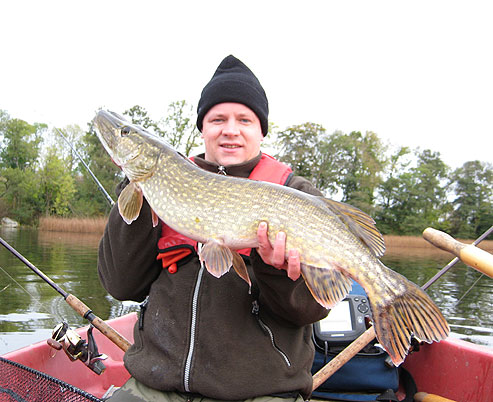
[[405, 190]]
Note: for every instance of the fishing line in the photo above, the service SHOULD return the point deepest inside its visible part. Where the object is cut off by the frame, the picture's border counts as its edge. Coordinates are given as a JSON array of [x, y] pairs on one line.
[[468, 290], [35, 298], [98, 183]]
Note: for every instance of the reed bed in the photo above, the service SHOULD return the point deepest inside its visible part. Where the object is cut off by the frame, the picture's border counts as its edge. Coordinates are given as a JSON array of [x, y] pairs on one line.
[[407, 245], [74, 225]]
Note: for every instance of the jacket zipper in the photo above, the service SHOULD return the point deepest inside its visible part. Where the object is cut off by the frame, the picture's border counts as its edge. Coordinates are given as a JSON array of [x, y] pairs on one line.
[[191, 348], [193, 324], [268, 331]]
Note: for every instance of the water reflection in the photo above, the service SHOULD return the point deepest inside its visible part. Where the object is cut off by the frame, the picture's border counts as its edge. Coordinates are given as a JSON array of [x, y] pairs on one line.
[[30, 308]]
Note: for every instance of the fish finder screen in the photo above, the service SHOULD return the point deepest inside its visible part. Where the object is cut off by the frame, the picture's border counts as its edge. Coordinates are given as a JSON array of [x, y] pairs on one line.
[[339, 318]]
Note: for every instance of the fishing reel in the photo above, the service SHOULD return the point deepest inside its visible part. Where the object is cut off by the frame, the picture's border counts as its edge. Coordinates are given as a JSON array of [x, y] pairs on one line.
[[76, 348]]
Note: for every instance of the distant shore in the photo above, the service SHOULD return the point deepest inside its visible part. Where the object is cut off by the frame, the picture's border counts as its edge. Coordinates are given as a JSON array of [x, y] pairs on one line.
[[96, 226]]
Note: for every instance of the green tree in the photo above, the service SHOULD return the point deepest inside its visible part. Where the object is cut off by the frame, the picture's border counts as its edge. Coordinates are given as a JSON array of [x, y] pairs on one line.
[[138, 115], [473, 205], [348, 164], [18, 159], [20, 194], [416, 197], [180, 129], [305, 147], [20, 143], [57, 184], [360, 161], [390, 189], [89, 199], [177, 128], [73, 135]]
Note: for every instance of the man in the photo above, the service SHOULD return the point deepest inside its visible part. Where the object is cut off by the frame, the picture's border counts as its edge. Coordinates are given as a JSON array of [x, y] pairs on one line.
[[205, 338]]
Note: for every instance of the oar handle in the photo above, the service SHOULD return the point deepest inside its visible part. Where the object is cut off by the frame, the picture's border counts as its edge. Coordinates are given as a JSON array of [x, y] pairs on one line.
[[425, 397], [84, 311], [469, 254], [343, 357]]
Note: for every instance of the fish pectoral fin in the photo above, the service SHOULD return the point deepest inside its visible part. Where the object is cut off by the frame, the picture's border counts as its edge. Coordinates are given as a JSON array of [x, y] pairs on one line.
[[217, 257], [412, 313], [241, 269], [327, 285], [130, 202], [360, 224]]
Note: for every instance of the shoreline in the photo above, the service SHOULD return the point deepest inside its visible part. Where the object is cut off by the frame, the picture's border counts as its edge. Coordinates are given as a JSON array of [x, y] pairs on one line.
[[394, 243]]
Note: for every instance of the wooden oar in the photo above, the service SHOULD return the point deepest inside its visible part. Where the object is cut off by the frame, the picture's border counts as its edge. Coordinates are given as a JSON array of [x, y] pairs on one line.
[[469, 254], [75, 303], [424, 397]]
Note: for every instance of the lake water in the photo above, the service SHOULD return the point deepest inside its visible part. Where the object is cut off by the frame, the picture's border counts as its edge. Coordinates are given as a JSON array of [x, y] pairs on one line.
[[30, 308]]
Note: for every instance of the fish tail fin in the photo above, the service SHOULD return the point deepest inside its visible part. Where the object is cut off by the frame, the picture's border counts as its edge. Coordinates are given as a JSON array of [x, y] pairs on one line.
[[409, 313], [328, 286]]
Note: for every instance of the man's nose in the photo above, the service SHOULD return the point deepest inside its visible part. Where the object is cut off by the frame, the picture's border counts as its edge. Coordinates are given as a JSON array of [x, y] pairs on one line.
[[231, 127]]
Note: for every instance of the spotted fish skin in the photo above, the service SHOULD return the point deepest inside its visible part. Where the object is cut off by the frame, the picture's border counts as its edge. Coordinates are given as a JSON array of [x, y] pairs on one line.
[[336, 241]]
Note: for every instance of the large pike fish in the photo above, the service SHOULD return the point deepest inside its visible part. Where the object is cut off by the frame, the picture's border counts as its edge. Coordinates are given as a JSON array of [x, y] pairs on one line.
[[336, 241]]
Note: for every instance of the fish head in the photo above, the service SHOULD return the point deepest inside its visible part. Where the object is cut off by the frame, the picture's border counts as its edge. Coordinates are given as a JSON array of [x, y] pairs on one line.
[[133, 149]]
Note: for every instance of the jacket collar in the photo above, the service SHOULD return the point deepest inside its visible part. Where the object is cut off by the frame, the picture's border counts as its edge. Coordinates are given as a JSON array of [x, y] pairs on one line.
[[239, 170]]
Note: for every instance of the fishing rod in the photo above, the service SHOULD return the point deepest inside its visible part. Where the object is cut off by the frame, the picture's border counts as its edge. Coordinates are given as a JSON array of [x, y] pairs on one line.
[[366, 337], [100, 186], [75, 303]]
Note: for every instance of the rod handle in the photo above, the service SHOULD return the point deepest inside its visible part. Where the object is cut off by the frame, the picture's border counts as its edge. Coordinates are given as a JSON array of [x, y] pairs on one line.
[[118, 339], [343, 357], [469, 254]]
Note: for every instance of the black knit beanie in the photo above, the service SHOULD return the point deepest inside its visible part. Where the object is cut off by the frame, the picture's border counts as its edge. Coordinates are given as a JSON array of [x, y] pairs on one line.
[[233, 81]]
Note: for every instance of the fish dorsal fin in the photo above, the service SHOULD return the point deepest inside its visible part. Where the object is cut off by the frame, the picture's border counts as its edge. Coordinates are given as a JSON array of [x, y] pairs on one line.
[[360, 224]]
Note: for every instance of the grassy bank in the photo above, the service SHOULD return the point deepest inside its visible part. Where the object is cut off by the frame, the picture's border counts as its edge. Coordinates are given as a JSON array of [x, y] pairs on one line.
[[96, 225], [73, 225]]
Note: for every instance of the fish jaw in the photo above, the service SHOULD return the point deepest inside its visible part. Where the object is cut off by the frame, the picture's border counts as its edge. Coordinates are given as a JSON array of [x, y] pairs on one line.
[[107, 126]]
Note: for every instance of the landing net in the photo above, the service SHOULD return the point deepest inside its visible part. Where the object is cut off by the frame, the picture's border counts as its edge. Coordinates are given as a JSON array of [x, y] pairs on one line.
[[19, 383]]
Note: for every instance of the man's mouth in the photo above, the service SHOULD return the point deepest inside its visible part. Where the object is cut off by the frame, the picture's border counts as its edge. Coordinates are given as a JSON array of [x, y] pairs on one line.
[[230, 146]]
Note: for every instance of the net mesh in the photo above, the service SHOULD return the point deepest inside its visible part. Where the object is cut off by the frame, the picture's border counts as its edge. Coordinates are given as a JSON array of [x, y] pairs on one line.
[[19, 383]]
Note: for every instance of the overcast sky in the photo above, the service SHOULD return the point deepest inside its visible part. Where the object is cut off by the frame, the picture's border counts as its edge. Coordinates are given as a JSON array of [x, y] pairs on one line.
[[418, 73]]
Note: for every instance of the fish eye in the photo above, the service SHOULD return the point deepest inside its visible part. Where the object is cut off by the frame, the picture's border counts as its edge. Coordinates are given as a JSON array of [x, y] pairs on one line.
[[125, 130]]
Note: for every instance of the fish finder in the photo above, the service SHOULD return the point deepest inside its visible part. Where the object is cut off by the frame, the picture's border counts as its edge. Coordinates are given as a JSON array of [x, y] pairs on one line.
[[345, 322]]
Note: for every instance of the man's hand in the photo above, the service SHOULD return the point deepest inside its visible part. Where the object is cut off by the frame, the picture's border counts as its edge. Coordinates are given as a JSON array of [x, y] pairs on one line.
[[275, 254]]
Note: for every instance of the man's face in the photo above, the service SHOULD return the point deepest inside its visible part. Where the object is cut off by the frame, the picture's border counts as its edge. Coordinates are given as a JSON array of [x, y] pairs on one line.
[[231, 133]]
